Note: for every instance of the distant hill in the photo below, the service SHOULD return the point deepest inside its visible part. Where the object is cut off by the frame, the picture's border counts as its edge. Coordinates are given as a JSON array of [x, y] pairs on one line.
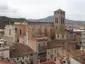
[[50, 19], [6, 20]]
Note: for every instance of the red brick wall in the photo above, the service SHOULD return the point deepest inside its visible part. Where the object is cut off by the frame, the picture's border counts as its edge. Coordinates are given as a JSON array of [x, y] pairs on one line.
[[22, 28]]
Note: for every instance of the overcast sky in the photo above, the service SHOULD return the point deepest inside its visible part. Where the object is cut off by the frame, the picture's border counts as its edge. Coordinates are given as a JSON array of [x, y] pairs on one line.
[[35, 9]]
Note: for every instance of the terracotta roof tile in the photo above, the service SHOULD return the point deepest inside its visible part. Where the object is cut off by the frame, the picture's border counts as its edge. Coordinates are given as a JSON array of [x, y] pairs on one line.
[[20, 50], [48, 62], [6, 62], [78, 55], [58, 43]]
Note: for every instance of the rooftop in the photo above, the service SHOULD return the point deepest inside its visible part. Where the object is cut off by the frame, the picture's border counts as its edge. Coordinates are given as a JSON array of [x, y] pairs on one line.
[[59, 10], [19, 50], [58, 43], [40, 38], [48, 62], [6, 62], [78, 55]]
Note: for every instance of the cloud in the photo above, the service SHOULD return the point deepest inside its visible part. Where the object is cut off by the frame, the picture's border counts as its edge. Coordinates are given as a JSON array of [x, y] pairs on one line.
[[43, 8], [10, 12]]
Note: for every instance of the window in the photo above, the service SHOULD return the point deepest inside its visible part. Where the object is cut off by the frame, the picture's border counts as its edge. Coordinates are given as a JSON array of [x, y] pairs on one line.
[[9, 31], [64, 61], [20, 31], [32, 62], [27, 56], [45, 30], [22, 62], [62, 20], [50, 31], [17, 58], [0, 44], [74, 39], [56, 20], [80, 42], [58, 36], [55, 59], [31, 54], [55, 51], [15, 29], [56, 27], [23, 57], [61, 12], [17, 40]]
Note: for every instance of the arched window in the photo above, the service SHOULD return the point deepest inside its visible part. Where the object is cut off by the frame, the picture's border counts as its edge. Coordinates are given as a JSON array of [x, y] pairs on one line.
[[56, 20], [20, 31]]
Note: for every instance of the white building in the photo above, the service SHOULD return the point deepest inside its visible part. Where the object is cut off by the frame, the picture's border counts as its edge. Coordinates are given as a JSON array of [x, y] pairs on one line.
[[54, 53], [83, 39], [22, 54], [9, 33], [4, 49]]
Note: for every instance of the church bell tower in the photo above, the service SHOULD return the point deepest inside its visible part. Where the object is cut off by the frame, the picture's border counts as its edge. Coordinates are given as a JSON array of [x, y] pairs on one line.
[[59, 24]]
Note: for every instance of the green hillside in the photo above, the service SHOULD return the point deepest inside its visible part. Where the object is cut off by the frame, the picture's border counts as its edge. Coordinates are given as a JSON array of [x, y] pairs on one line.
[[6, 20]]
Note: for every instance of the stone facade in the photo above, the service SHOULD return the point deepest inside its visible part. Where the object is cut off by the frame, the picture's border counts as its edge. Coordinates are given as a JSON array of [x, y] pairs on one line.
[[53, 53], [83, 39], [56, 48], [9, 34], [42, 28], [59, 24], [20, 29]]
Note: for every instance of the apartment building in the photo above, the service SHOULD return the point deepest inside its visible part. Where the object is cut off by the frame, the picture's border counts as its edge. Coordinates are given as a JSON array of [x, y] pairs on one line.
[[83, 39]]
